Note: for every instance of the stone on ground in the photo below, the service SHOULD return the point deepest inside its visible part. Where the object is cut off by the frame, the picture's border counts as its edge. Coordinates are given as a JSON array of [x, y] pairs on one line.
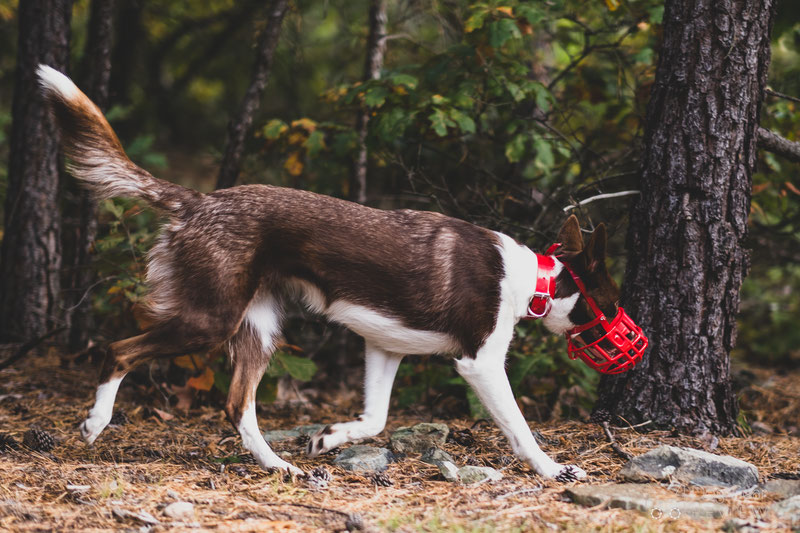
[[478, 474], [419, 438], [785, 488], [361, 458], [691, 466], [435, 456], [788, 509], [183, 511], [449, 471], [278, 435], [651, 500]]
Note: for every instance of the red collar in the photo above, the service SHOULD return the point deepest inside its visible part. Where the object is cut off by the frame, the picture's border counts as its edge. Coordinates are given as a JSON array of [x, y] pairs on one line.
[[542, 299]]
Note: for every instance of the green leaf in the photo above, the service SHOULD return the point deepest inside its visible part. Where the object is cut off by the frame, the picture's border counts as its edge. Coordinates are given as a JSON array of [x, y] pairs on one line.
[[475, 21], [314, 143], [297, 367], [544, 153], [440, 122], [500, 31], [531, 13], [464, 121], [273, 129], [516, 93], [375, 96], [404, 79], [515, 148]]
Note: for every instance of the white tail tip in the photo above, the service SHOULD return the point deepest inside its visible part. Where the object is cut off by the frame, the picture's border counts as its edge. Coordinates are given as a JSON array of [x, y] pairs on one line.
[[56, 82]]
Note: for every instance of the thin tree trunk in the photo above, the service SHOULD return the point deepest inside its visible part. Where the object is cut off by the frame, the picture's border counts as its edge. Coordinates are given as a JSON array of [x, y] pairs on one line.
[[376, 48], [238, 128], [30, 258], [687, 232], [79, 222]]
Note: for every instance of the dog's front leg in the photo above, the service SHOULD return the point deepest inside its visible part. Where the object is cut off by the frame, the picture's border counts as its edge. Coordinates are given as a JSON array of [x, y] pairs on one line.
[[486, 375], [380, 370]]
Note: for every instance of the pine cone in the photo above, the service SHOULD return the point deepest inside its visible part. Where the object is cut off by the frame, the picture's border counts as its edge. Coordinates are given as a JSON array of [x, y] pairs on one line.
[[38, 440], [462, 437], [381, 479], [7, 442]]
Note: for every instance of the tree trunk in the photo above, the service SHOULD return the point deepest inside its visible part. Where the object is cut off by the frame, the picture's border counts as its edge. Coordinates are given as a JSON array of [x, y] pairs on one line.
[[376, 48], [31, 256], [238, 128], [79, 221], [687, 231]]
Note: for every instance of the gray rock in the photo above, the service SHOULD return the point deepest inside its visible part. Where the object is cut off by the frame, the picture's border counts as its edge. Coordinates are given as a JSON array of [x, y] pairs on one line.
[[361, 458], [310, 429], [449, 471], [692, 466], [278, 435], [419, 438], [788, 509], [650, 500], [785, 488], [478, 474], [182, 511], [435, 456]]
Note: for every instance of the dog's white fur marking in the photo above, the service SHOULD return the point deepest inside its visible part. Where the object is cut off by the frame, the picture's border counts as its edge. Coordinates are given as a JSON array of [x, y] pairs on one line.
[[384, 331], [380, 370], [264, 315], [254, 442], [100, 414], [387, 332]]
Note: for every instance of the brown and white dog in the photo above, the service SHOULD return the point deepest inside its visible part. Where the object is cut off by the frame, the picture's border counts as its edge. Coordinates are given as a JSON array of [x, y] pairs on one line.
[[409, 282]]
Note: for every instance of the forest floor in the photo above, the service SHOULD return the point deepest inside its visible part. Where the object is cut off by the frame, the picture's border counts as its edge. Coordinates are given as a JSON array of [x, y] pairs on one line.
[[145, 463]]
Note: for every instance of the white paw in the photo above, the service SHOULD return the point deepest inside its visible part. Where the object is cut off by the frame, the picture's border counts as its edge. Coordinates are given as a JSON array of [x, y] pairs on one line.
[[322, 441], [280, 464], [92, 427]]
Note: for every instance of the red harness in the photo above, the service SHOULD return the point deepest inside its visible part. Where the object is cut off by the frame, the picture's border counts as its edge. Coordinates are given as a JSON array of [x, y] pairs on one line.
[[618, 350]]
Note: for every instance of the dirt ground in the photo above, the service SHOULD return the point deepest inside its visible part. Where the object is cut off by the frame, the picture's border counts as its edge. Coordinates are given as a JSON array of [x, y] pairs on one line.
[[144, 463]]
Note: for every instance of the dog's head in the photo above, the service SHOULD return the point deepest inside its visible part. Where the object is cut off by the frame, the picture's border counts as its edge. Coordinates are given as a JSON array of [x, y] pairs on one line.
[[589, 264]]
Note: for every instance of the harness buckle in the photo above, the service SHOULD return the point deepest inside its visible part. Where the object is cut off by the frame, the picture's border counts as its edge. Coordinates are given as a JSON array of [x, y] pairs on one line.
[[540, 305]]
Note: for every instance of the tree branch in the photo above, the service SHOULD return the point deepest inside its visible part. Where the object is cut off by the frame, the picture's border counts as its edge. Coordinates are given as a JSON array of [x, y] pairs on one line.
[[239, 126], [772, 142]]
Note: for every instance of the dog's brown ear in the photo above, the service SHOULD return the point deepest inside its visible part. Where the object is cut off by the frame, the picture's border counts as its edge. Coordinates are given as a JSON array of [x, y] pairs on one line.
[[596, 249], [570, 236]]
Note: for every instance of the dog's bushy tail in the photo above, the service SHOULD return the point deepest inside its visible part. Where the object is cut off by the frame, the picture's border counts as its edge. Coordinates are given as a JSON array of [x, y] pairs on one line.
[[95, 155]]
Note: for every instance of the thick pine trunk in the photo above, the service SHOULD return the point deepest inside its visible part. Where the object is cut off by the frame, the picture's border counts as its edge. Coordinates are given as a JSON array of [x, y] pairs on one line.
[[376, 48], [31, 255], [686, 241], [240, 125], [80, 222]]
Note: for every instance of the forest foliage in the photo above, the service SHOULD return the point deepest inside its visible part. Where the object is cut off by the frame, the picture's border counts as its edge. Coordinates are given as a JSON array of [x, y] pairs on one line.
[[504, 113]]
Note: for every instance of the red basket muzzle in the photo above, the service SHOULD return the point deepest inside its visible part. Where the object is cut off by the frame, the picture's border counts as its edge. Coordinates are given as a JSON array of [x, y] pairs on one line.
[[617, 351]]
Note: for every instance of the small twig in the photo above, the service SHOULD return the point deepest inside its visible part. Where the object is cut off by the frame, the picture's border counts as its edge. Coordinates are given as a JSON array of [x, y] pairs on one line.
[[770, 92], [28, 346], [645, 423], [600, 197], [614, 444]]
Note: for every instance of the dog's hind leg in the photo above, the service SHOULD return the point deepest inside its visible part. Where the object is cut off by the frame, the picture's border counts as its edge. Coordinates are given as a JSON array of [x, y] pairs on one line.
[[164, 340], [250, 351], [381, 368]]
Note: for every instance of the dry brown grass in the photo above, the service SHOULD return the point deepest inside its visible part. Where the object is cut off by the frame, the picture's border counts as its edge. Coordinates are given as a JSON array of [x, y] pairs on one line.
[[147, 463]]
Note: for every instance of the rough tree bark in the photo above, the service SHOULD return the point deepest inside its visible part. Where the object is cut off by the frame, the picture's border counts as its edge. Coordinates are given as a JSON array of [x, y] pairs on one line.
[[30, 258], [686, 240], [376, 48], [239, 126], [79, 221]]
